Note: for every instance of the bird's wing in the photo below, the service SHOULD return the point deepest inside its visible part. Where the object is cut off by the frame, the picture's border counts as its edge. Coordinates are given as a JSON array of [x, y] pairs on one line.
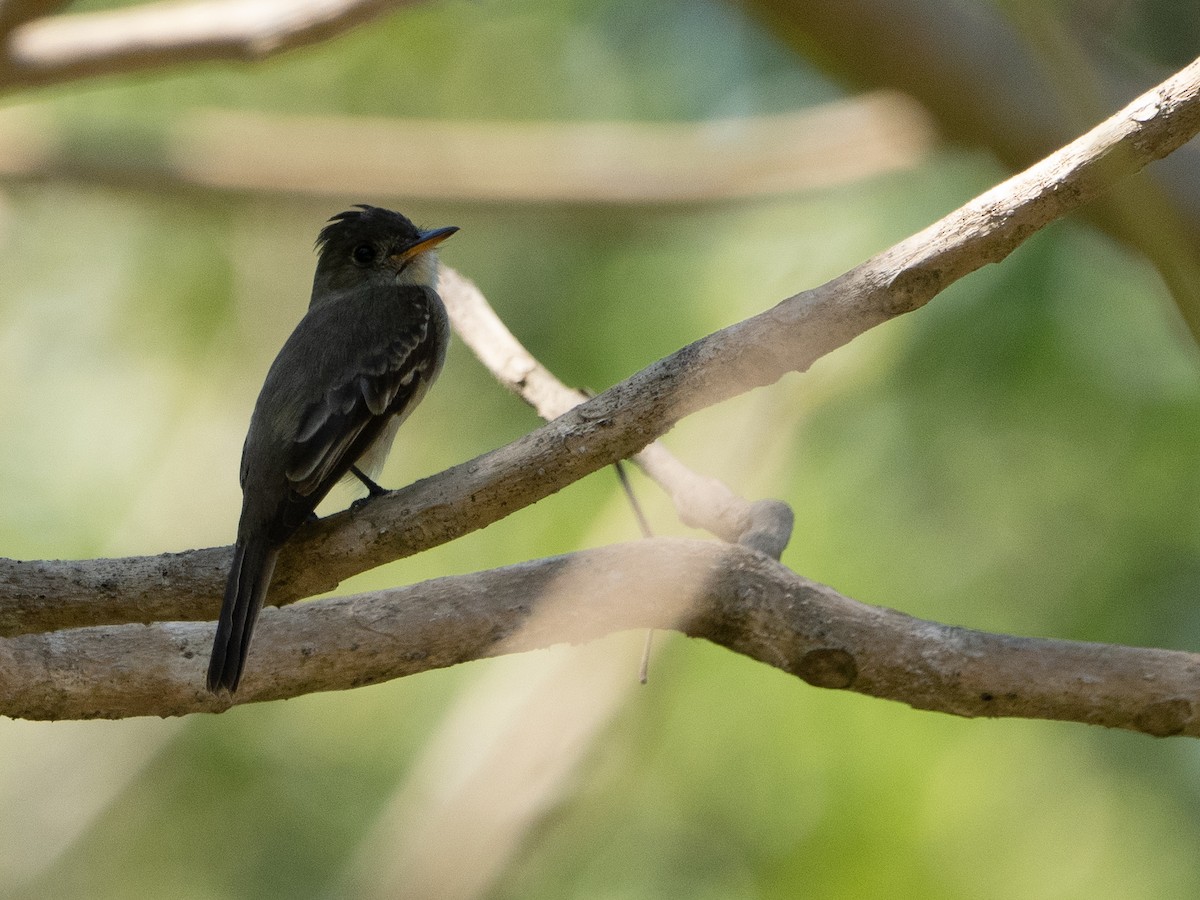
[[336, 430]]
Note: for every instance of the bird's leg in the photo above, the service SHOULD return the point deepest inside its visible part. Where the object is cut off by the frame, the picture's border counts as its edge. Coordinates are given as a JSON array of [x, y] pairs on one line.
[[373, 489]]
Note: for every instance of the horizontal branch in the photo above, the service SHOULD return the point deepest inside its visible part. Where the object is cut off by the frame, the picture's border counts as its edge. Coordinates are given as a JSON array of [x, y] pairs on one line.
[[540, 162], [621, 421], [527, 162], [727, 594]]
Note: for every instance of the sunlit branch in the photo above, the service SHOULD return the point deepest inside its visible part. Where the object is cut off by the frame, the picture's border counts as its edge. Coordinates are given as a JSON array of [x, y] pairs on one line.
[[727, 594], [700, 501], [1019, 79], [95, 672], [626, 418], [758, 351]]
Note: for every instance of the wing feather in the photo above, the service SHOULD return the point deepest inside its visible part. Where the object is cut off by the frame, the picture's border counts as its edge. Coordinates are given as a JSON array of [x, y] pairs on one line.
[[335, 430]]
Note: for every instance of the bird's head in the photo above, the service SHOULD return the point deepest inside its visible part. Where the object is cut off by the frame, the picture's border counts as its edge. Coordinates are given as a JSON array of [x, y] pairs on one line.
[[368, 244]]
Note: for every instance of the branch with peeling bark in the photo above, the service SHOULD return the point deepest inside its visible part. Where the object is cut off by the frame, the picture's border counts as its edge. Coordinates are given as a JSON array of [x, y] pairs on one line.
[[117, 670]]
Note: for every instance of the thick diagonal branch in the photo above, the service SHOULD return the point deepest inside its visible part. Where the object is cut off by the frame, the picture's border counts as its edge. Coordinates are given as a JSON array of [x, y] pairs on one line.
[[36, 596], [700, 501]]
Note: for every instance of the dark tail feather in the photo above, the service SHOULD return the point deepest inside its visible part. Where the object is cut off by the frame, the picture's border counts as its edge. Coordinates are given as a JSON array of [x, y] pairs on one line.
[[249, 578]]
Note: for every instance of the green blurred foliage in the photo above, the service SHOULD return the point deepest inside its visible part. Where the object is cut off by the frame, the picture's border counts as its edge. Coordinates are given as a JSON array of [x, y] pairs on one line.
[[1018, 456], [1163, 32]]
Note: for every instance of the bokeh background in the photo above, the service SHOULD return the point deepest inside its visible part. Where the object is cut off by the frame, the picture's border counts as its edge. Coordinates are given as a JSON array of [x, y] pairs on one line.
[[1017, 456]]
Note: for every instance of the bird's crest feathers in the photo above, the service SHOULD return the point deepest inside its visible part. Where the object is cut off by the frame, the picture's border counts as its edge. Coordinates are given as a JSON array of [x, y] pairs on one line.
[[364, 223]]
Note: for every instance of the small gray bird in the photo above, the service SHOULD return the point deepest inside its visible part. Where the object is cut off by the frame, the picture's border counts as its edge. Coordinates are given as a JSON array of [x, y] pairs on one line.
[[373, 340]]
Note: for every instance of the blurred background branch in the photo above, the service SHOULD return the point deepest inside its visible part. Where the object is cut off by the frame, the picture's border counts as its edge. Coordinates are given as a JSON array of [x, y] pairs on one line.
[[17, 12], [42, 49], [525, 162], [1015, 78]]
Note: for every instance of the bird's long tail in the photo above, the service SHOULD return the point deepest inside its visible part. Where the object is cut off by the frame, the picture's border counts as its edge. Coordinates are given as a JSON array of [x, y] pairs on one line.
[[249, 577]]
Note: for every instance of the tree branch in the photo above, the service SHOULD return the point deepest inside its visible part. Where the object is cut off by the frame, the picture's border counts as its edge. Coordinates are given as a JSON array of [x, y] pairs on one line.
[[727, 594], [53, 49], [96, 672], [991, 76], [528, 162], [700, 501], [17, 12]]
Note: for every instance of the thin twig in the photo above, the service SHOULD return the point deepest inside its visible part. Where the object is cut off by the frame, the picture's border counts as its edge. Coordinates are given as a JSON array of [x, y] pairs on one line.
[[700, 501], [634, 503], [644, 525]]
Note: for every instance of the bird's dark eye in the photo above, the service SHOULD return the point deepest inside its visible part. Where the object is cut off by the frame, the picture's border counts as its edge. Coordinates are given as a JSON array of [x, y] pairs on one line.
[[363, 254]]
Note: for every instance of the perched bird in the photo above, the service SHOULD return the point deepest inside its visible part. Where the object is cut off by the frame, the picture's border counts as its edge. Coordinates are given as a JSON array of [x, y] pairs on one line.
[[361, 359]]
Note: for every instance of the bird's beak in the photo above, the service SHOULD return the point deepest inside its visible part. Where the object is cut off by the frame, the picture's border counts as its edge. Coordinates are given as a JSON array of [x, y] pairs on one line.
[[426, 240]]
